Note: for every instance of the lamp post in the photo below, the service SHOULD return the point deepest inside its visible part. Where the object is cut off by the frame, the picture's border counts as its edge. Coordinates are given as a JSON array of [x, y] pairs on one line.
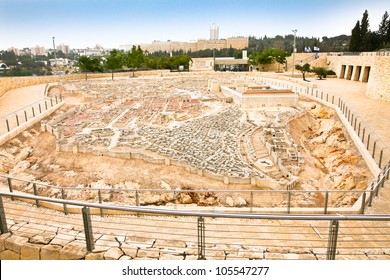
[[55, 55], [295, 34]]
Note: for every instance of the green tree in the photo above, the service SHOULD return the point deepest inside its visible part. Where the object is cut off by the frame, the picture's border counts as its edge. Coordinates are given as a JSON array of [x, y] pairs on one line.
[[90, 64], [354, 44], [384, 29], [114, 61], [321, 72], [364, 32], [304, 69], [135, 58]]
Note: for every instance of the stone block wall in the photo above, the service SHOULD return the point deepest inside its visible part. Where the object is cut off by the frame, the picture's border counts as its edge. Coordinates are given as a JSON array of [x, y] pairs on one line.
[[379, 83]]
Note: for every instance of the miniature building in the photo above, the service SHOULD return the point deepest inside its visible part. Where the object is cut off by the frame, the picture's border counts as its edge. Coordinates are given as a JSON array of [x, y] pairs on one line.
[[254, 96]]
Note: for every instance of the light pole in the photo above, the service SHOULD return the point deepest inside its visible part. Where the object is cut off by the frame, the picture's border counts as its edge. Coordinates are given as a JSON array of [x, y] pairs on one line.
[[55, 56], [295, 35]]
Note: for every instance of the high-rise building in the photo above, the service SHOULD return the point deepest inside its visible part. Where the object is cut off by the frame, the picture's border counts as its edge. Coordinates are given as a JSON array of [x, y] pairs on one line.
[[214, 32], [15, 50], [38, 50], [64, 48]]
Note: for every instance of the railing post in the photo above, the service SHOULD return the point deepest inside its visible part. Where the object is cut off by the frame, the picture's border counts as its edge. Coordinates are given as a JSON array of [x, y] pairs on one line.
[[51, 102], [326, 203], [364, 132], [201, 239], [25, 116], [33, 111], [88, 229], [371, 195], [380, 158], [251, 201], [7, 123], [3, 220], [10, 187], [362, 209], [100, 202], [288, 202], [63, 197], [36, 194], [46, 104], [332, 240], [332, 99], [17, 119], [359, 129], [373, 149], [40, 109], [136, 198]]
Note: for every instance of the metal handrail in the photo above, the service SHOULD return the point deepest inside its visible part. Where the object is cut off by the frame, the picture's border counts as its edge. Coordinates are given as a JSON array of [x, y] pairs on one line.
[[186, 191], [30, 105], [146, 210]]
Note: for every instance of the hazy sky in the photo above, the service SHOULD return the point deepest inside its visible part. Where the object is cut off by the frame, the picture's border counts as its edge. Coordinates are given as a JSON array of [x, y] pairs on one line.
[[111, 23]]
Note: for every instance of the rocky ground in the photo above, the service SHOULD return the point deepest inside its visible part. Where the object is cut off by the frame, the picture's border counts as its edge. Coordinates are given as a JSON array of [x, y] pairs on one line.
[[332, 162]]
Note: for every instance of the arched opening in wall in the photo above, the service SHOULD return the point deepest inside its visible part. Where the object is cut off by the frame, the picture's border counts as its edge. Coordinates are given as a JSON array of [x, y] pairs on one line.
[[342, 71], [366, 74], [356, 76], [349, 72]]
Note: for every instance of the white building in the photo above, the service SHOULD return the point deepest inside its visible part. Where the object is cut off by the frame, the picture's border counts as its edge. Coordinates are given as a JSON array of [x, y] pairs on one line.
[[214, 32], [64, 48], [38, 50]]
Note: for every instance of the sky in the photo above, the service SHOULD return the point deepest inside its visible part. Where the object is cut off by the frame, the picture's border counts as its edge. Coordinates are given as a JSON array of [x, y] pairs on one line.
[[112, 23]]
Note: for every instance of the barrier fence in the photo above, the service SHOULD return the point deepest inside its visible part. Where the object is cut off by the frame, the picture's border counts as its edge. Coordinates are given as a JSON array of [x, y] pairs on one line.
[[23, 115], [252, 201], [155, 233]]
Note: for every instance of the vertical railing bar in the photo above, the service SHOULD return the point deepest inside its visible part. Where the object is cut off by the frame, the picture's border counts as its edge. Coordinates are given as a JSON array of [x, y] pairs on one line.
[[326, 203], [251, 202], [3, 219], [100, 202], [36, 194], [362, 210], [63, 197], [332, 240], [10, 187], [88, 229], [201, 239]]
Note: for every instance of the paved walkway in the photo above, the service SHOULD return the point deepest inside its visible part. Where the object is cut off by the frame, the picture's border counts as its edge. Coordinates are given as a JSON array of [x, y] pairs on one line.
[[19, 98]]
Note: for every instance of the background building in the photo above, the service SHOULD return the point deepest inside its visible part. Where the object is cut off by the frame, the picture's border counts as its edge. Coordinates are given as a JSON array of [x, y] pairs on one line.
[[37, 50], [64, 48], [214, 32]]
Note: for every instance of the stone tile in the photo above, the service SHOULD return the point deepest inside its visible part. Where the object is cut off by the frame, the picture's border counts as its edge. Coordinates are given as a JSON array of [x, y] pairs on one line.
[[14, 243], [73, 251], [148, 253], [30, 251], [50, 252], [9, 255], [113, 253]]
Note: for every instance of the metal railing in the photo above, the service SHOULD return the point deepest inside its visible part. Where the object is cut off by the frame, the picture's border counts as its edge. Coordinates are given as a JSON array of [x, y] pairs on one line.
[[256, 201], [377, 148], [204, 235], [15, 119]]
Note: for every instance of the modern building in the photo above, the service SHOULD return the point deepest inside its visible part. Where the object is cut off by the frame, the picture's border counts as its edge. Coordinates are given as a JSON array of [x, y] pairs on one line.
[[64, 48], [214, 32], [38, 50], [219, 64], [15, 50]]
